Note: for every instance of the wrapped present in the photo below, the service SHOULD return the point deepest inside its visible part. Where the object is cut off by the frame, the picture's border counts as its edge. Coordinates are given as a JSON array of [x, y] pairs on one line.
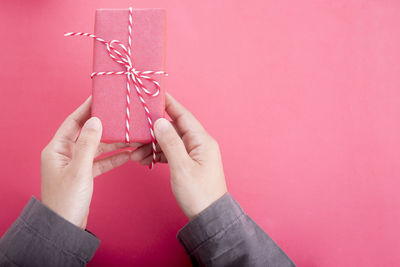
[[128, 73]]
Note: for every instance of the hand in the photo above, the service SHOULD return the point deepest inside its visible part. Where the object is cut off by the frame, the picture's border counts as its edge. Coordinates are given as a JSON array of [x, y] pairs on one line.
[[197, 176], [68, 165]]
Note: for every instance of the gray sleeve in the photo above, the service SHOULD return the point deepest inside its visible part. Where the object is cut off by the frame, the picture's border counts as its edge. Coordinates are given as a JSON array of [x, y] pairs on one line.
[[40, 237], [223, 235]]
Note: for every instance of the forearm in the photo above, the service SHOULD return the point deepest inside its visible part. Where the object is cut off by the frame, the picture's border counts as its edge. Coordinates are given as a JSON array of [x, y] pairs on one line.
[[39, 237], [223, 235]]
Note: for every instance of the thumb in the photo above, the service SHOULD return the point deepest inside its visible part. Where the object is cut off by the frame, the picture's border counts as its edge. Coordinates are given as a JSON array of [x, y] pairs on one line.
[[170, 142], [88, 141]]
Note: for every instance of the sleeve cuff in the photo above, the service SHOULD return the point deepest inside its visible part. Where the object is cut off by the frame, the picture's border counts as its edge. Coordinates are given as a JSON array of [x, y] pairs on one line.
[[61, 233], [216, 218]]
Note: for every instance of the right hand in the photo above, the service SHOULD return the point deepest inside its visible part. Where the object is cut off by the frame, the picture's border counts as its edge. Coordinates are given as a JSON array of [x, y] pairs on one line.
[[197, 176]]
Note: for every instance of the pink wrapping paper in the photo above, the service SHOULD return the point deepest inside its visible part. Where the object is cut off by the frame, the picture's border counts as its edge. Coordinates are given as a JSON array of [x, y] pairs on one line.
[[109, 91]]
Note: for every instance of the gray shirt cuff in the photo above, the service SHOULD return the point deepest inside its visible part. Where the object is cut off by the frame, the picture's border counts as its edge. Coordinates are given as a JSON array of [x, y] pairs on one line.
[[42, 237], [223, 235], [215, 219]]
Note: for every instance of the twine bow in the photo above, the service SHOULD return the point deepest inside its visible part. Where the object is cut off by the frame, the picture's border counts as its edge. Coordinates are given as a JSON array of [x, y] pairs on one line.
[[122, 55]]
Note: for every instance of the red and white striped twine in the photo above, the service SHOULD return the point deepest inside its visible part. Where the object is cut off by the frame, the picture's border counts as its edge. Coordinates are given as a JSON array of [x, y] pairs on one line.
[[122, 55]]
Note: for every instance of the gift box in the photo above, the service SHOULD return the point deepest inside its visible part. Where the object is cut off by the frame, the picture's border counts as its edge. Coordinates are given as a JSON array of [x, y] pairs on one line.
[[110, 93]]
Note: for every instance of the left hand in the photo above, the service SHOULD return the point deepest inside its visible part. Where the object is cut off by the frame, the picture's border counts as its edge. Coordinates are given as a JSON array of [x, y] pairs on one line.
[[69, 166]]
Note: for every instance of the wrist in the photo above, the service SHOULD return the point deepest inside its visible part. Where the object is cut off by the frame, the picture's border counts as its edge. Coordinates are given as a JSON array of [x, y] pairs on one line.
[[64, 213], [202, 205]]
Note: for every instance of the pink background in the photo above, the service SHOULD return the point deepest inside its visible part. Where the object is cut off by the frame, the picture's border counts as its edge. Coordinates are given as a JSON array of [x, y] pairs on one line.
[[303, 97]]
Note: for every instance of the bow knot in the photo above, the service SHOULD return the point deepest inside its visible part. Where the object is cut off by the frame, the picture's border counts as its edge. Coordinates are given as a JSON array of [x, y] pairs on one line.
[[131, 70], [120, 54]]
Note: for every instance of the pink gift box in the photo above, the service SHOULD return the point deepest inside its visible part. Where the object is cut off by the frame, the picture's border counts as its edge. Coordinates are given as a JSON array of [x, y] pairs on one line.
[[148, 54]]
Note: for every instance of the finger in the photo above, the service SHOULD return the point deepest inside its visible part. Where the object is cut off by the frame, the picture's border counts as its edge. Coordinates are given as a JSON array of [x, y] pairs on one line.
[[106, 148], [160, 157], [176, 128], [87, 143], [106, 164], [189, 128], [183, 119], [171, 144], [143, 151], [69, 129]]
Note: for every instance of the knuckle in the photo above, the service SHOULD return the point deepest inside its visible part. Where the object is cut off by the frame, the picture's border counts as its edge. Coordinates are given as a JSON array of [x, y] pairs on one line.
[[113, 162], [195, 137], [71, 120]]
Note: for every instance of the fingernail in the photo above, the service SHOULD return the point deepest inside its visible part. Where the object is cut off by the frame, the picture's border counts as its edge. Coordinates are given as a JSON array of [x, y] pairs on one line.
[[162, 125], [93, 123]]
